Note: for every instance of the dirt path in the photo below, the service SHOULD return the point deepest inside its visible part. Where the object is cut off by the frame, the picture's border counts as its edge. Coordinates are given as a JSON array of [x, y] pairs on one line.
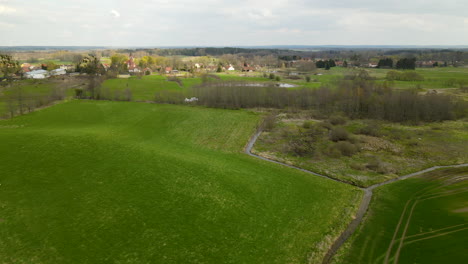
[[363, 207]]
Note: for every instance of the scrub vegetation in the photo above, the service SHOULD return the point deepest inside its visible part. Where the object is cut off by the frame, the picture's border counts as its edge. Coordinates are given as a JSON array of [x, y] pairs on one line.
[[362, 152]]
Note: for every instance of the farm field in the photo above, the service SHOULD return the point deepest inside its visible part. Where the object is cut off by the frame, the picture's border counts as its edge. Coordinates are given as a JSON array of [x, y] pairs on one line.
[[418, 220], [143, 89], [123, 182], [434, 78], [372, 152]]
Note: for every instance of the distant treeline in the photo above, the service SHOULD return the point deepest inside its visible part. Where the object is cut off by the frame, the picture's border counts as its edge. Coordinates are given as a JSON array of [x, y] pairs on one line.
[[214, 51], [356, 98]]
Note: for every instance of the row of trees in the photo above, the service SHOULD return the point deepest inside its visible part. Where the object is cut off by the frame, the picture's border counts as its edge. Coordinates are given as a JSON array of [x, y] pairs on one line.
[[357, 98], [18, 101], [406, 64], [327, 64]]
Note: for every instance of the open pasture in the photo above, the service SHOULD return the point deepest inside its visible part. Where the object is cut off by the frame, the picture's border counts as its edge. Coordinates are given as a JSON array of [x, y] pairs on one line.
[[418, 220], [123, 182]]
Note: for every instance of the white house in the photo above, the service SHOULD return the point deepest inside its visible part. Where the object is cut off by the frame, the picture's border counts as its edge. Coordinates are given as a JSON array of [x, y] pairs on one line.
[[37, 74], [231, 68], [57, 72], [191, 100]]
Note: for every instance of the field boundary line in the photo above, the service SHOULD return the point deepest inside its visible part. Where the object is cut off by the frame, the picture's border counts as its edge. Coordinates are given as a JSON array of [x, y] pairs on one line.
[[434, 231], [436, 235], [363, 207]]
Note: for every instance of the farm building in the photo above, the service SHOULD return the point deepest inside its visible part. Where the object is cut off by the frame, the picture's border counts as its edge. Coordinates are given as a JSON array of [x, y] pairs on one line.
[[57, 72], [37, 74]]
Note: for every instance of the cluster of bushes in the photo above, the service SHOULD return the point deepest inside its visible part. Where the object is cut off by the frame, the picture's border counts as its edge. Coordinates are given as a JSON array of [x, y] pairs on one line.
[[315, 139], [404, 76], [325, 64], [175, 79], [272, 76], [331, 139], [104, 93]]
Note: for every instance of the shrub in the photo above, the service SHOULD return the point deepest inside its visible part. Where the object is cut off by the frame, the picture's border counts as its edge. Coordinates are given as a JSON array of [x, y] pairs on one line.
[[79, 92], [337, 120], [374, 164], [269, 122], [301, 148], [307, 78], [326, 125], [357, 166], [175, 79], [377, 165], [404, 76], [339, 134], [307, 124], [371, 129], [278, 78], [334, 152], [346, 148], [272, 76]]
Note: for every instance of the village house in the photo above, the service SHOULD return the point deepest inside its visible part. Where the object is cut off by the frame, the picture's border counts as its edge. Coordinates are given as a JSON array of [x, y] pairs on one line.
[[131, 65], [247, 68], [37, 74], [67, 67], [57, 72]]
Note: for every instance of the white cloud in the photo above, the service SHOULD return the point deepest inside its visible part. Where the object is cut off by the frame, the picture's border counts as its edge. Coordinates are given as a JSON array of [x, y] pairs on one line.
[[247, 22], [115, 13], [6, 9]]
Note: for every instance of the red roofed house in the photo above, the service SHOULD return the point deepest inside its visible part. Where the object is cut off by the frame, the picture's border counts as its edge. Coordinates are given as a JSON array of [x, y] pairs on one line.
[[247, 68], [131, 65]]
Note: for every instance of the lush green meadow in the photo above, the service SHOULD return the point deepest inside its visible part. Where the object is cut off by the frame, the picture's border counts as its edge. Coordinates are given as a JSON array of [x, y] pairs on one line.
[[123, 182], [433, 78], [425, 217], [143, 89]]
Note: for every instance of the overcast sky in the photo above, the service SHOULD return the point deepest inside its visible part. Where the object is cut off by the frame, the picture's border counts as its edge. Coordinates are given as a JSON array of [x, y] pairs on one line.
[[233, 22]]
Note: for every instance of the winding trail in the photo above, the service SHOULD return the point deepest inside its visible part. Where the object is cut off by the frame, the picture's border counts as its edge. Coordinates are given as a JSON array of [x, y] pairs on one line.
[[363, 207]]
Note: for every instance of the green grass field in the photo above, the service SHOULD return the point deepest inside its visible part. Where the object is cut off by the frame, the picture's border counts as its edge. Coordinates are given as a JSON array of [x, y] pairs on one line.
[[434, 78], [123, 182], [425, 217], [143, 89]]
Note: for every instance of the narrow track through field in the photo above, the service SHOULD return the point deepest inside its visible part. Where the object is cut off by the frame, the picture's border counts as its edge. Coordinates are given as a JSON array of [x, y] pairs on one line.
[[363, 207]]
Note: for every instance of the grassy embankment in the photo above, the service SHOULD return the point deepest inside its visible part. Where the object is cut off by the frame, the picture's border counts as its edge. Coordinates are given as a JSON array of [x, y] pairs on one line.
[[433, 216], [123, 182], [367, 152]]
